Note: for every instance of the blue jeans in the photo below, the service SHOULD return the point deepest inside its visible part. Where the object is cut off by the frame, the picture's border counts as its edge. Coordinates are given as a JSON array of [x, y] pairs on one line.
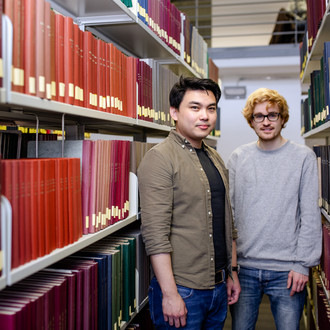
[[207, 309], [254, 283]]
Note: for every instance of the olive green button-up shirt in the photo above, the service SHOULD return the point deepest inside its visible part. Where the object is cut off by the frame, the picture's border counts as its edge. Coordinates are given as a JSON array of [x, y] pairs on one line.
[[176, 212]]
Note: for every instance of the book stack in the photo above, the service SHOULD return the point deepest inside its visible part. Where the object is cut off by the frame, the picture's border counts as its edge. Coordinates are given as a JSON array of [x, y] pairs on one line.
[[325, 259], [315, 108], [321, 304], [174, 28], [322, 155], [45, 196], [315, 12], [92, 289], [53, 59], [105, 166], [64, 298]]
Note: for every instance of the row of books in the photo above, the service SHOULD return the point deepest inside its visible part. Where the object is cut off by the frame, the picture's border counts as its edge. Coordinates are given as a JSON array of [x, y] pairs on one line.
[[321, 304], [53, 59], [45, 196], [96, 288], [315, 13], [325, 259], [57, 200], [315, 108], [322, 154], [105, 166], [175, 29]]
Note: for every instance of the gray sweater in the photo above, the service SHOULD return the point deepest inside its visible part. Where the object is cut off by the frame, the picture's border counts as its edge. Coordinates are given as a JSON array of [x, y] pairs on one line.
[[274, 196]]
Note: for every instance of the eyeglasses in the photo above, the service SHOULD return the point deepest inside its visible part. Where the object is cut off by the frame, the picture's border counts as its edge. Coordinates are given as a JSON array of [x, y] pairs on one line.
[[259, 118]]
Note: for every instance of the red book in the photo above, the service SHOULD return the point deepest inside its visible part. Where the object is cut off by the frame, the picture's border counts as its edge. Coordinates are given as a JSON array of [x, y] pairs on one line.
[[127, 162], [107, 77], [77, 199], [123, 84], [88, 49], [93, 189], [41, 207], [68, 60], [35, 252], [57, 286], [94, 96], [65, 165], [48, 50], [59, 58], [44, 296], [139, 88], [89, 305], [35, 302], [40, 48], [10, 318], [85, 184], [71, 207], [26, 198], [112, 78], [114, 191], [76, 64], [19, 223], [59, 200], [70, 291], [65, 265], [50, 208], [53, 57], [29, 47], [98, 73], [16, 17], [99, 184], [81, 68], [6, 304]]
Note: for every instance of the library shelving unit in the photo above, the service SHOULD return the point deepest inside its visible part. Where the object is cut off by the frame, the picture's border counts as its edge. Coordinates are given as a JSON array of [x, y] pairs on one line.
[[319, 135], [113, 22]]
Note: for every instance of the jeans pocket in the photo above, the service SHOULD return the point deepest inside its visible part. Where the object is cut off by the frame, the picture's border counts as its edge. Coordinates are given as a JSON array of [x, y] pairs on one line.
[[185, 292]]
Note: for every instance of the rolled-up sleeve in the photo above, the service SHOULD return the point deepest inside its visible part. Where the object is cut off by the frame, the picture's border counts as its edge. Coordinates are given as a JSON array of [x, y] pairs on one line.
[[156, 201]]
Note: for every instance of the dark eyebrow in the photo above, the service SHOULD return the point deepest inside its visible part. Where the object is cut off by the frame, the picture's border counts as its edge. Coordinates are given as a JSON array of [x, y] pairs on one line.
[[198, 103]]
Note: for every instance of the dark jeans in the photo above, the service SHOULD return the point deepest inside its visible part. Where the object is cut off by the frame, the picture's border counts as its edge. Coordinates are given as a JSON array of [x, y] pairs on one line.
[[207, 309]]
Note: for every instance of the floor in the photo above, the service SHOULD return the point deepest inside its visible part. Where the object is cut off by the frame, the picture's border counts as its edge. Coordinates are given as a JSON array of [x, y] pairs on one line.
[[265, 319]]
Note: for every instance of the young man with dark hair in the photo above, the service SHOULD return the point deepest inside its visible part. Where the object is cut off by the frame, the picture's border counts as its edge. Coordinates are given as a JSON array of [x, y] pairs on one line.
[[186, 216], [274, 194]]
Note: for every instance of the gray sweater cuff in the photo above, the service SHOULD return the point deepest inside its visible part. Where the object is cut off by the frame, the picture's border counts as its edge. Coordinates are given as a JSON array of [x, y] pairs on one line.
[[300, 269]]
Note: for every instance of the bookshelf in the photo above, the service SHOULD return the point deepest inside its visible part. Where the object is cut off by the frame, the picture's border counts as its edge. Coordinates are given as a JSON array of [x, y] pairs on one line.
[[113, 22], [318, 301]]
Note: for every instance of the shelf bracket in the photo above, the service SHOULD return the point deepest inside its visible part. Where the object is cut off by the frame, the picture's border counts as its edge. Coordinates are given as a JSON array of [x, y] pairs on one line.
[[7, 49]]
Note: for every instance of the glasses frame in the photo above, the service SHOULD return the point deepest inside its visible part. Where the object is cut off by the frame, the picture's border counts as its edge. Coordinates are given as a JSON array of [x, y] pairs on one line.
[[266, 116]]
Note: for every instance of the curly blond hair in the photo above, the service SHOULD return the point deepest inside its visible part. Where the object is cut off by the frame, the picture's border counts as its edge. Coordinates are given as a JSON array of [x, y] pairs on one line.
[[266, 95]]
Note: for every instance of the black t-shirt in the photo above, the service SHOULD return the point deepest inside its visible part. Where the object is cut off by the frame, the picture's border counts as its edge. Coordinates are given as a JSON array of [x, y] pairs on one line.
[[218, 208]]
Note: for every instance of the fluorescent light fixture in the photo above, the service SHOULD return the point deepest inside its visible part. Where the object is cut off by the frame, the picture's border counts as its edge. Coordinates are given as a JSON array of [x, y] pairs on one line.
[[235, 92]]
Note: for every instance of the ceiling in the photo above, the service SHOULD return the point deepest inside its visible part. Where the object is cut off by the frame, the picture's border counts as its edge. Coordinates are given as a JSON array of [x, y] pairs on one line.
[[244, 23], [250, 39]]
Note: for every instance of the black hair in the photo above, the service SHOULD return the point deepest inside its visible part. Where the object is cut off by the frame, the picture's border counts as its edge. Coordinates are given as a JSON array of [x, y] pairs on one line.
[[192, 83]]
